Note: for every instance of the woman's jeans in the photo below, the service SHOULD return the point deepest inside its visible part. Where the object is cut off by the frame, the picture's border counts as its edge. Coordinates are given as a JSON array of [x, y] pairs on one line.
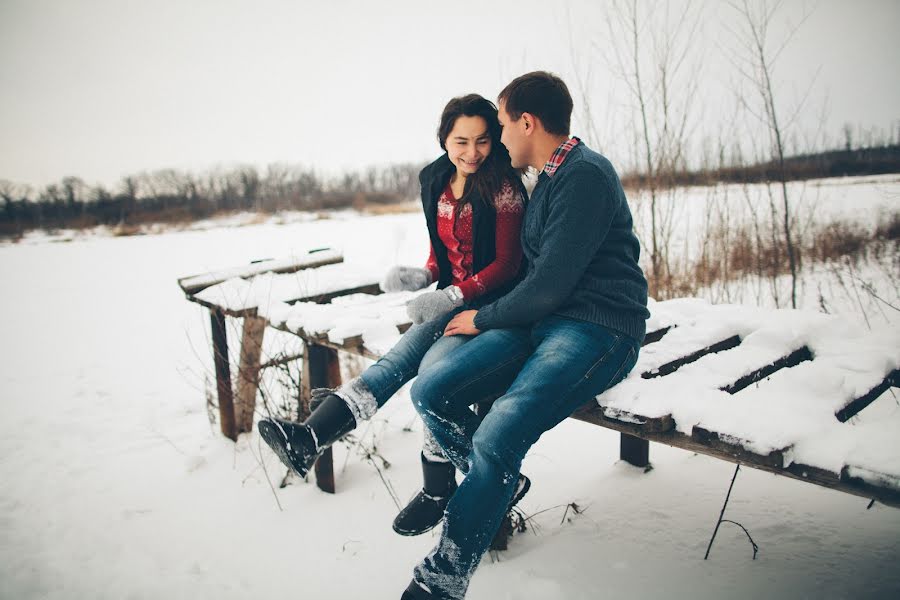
[[550, 370], [422, 346]]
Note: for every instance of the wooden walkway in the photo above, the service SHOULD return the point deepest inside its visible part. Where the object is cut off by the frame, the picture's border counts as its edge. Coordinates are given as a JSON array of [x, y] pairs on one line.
[[775, 390]]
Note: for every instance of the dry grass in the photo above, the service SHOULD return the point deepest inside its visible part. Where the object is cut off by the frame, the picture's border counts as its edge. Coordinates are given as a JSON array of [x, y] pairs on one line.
[[738, 252]]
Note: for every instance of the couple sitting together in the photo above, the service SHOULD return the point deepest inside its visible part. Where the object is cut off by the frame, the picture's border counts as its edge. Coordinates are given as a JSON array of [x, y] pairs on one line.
[[540, 304]]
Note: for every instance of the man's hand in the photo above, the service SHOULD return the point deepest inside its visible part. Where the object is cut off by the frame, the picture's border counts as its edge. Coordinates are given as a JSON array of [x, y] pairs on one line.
[[462, 324]]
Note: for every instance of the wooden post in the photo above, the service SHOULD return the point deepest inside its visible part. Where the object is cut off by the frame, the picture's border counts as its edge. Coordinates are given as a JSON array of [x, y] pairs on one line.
[[223, 374], [248, 372], [324, 370], [634, 450]]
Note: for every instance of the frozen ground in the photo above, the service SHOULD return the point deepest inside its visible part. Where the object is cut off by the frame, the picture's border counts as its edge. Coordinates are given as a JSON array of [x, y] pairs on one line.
[[116, 486]]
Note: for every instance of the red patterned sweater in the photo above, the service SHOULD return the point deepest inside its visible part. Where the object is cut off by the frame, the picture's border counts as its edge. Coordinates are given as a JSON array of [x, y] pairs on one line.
[[456, 233]]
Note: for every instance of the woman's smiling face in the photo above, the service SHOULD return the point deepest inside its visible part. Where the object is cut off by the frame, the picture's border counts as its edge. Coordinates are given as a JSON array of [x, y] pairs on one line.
[[468, 144]]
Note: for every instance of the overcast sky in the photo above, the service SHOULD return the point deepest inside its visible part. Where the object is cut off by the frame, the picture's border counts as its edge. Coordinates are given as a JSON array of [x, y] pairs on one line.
[[104, 88]]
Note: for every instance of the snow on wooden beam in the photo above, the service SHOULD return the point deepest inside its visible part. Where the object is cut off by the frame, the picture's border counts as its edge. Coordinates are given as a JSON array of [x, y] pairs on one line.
[[676, 364], [792, 360], [855, 406], [315, 258]]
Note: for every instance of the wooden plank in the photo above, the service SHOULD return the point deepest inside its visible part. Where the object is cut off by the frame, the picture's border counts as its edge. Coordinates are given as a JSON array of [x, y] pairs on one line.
[[884, 494], [793, 359], [223, 375], [797, 471], [368, 288], [735, 447], [855, 406], [642, 423], [248, 373], [671, 367], [654, 336], [194, 284]]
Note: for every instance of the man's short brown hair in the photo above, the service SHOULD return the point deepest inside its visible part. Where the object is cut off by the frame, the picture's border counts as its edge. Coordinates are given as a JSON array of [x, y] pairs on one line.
[[542, 94]]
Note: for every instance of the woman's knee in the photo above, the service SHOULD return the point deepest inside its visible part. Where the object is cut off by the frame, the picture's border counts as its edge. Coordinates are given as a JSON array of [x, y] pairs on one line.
[[428, 389]]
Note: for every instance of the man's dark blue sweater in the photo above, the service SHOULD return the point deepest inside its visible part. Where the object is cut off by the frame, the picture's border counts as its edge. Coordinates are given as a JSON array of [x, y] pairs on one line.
[[581, 250]]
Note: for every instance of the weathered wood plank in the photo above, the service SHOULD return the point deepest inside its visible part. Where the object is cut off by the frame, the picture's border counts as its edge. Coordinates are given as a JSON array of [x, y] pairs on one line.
[[797, 471], [671, 367], [855, 406], [654, 336], [793, 359], [735, 447], [223, 375], [248, 372], [194, 284]]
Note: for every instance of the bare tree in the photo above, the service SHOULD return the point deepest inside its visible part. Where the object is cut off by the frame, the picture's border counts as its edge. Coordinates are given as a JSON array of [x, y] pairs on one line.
[[652, 53], [757, 63]]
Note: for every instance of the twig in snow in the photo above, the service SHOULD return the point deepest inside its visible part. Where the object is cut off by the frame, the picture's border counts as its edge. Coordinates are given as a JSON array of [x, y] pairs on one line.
[[722, 520], [387, 484]]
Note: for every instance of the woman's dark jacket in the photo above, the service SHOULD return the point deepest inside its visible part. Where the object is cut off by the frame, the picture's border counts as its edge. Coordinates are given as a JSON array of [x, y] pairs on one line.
[[434, 179]]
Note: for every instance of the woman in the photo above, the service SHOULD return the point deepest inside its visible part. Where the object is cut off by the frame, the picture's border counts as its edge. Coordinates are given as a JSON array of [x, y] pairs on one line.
[[474, 203]]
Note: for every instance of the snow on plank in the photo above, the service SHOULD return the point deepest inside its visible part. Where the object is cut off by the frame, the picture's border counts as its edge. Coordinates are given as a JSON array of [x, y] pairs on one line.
[[775, 400], [315, 258], [367, 324], [238, 297]]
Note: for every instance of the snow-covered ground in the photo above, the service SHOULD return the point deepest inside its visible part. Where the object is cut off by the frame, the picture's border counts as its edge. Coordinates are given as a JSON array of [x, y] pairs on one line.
[[116, 485]]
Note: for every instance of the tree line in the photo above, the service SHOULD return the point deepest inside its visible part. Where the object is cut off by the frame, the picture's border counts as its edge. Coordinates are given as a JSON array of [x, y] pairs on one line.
[[171, 196]]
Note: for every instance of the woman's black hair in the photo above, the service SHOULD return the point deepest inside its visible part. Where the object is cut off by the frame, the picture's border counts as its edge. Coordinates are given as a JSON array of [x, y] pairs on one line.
[[497, 167]]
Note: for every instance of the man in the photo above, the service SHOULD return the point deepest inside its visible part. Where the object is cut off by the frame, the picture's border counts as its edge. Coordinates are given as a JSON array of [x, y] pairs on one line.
[[568, 331]]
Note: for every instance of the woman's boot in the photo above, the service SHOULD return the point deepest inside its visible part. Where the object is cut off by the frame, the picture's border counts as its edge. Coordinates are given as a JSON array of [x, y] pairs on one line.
[[299, 444], [427, 509]]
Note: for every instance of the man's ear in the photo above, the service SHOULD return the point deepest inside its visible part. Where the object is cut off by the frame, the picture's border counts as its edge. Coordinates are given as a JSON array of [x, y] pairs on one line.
[[529, 122]]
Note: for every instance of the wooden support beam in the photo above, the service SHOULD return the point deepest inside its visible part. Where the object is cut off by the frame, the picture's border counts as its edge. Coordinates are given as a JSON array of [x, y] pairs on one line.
[[726, 444], [248, 373], [324, 370], [797, 471], [223, 374], [634, 450]]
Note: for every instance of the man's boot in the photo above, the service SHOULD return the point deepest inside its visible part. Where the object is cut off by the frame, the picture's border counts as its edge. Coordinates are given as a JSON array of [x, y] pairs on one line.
[[427, 509], [299, 444]]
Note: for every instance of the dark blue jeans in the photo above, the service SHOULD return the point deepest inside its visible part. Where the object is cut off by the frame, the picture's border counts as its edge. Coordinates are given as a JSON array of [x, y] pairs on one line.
[[422, 345], [550, 370]]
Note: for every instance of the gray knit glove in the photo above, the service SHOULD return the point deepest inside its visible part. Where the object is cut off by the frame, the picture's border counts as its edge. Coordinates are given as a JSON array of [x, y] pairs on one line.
[[432, 305], [409, 279]]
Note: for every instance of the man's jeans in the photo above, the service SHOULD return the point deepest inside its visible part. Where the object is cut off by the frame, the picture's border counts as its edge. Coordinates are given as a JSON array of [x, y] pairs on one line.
[[550, 369]]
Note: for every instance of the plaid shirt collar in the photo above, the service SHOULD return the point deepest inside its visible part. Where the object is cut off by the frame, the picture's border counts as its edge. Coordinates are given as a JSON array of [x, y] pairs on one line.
[[559, 155]]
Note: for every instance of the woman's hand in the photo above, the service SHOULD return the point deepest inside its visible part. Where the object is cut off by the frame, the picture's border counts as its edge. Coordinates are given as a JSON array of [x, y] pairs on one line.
[[410, 279], [431, 305], [462, 324]]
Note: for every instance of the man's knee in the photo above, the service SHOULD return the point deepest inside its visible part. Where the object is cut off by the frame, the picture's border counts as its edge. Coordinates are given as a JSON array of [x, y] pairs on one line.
[[501, 442]]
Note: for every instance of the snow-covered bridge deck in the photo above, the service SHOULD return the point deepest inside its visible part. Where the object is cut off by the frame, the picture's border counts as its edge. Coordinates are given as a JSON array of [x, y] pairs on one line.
[[773, 389]]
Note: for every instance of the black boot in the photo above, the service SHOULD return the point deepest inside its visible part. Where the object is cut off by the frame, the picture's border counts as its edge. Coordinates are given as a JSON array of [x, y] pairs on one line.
[[299, 444], [427, 509], [414, 591]]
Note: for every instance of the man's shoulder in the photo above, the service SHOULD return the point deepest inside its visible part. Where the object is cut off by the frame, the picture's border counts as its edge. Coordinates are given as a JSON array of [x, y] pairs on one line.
[[582, 159]]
